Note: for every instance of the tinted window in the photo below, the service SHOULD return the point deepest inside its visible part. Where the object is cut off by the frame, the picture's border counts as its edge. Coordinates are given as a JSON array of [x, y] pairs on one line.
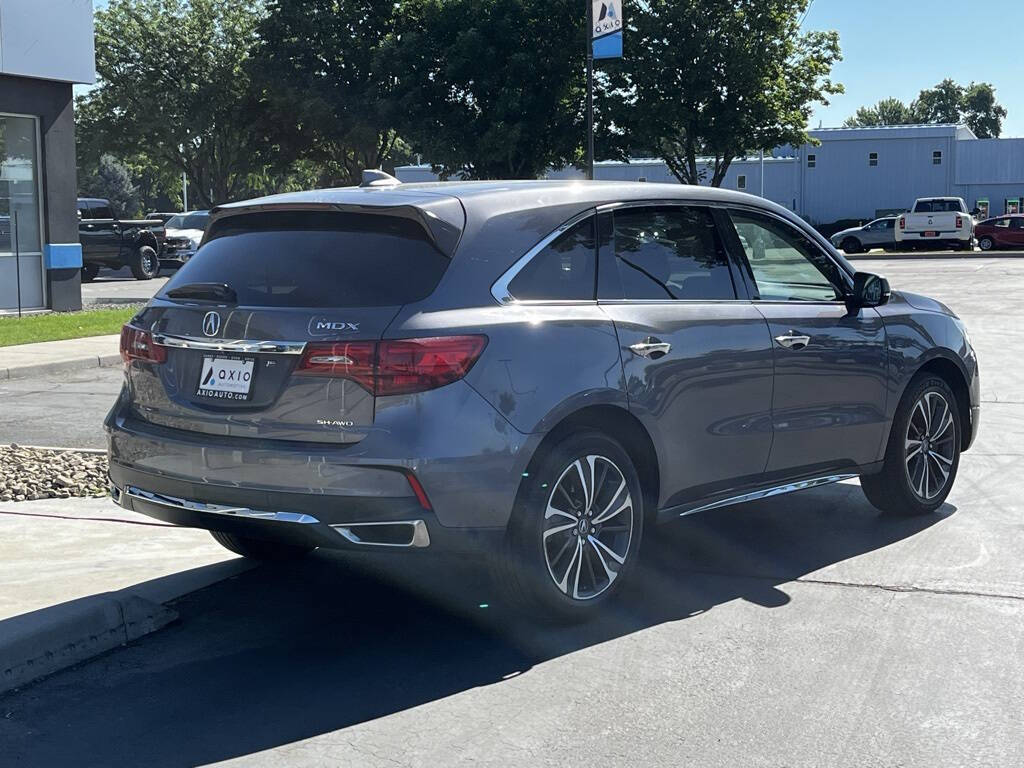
[[83, 211], [317, 259], [785, 265], [1017, 224], [1000, 223], [670, 253], [100, 211], [937, 206], [563, 270]]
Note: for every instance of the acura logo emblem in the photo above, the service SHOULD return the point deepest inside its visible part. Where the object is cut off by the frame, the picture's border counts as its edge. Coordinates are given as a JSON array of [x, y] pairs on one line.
[[211, 324]]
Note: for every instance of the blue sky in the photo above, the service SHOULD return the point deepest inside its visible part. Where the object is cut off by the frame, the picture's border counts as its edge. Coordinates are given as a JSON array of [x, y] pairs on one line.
[[898, 48]]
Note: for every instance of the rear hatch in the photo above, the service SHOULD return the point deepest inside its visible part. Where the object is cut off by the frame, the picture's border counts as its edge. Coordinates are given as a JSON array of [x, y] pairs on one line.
[[270, 331]]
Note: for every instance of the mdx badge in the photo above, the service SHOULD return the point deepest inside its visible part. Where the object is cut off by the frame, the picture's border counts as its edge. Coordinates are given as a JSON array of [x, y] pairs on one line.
[[325, 326], [211, 324]]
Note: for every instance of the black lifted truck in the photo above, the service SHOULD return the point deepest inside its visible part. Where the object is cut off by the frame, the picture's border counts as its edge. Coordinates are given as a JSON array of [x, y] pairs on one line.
[[108, 241]]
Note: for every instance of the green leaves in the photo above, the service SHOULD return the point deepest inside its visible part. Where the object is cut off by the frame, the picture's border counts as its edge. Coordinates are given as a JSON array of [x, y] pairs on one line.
[[975, 105]]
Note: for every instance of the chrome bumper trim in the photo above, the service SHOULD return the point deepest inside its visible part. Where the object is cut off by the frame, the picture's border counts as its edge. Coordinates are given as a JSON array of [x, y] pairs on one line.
[[172, 502], [765, 493], [418, 535], [230, 345]]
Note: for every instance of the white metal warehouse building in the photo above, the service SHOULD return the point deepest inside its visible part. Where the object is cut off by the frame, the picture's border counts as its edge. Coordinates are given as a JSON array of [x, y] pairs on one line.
[[856, 173]]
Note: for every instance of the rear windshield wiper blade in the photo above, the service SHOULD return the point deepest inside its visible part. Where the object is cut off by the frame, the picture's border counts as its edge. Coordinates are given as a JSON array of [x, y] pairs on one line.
[[204, 292]]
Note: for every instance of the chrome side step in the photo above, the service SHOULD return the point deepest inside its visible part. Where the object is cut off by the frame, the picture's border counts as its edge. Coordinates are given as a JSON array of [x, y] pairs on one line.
[[765, 493], [402, 533], [172, 502]]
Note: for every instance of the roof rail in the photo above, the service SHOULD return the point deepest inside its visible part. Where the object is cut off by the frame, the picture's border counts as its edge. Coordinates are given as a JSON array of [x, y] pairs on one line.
[[374, 177]]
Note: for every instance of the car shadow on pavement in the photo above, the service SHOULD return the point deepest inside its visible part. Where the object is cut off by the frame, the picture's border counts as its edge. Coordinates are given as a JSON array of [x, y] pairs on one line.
[[287, 652]]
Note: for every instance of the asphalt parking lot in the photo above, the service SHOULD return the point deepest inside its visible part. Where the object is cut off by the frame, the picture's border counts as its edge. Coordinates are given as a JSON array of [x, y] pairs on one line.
[[802, 630]]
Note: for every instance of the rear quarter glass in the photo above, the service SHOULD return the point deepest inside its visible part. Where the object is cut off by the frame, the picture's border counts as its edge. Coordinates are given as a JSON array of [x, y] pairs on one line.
[[317, 259]]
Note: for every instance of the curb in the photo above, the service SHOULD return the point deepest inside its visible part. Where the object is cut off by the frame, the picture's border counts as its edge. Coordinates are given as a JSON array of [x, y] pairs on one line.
[[48, 640], [74, 364], [910, 256]]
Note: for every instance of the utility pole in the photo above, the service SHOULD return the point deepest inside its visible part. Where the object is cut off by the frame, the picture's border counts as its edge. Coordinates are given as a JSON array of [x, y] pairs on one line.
[[590, 89], [762, 173]]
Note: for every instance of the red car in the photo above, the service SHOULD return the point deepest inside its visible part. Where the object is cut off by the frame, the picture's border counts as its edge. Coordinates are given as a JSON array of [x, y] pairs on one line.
[[1000, 232]]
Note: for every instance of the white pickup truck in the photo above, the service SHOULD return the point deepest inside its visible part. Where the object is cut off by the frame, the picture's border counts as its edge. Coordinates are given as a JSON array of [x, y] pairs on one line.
[[939, 222]]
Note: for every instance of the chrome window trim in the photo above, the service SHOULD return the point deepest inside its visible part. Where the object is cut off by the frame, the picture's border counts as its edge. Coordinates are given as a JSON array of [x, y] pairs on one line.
[[499, 289], [230, 345]]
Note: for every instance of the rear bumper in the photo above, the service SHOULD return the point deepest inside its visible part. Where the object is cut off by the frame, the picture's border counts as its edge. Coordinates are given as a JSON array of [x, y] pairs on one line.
[[941, 237]]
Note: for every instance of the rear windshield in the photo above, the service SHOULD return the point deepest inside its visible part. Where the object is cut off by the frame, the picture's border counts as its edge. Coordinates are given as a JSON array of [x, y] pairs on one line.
[[317, 259], [189, 221], [937, 206]]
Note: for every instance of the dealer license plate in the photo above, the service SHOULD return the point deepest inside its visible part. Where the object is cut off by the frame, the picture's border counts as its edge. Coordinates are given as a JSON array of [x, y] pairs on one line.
[[225, 378]]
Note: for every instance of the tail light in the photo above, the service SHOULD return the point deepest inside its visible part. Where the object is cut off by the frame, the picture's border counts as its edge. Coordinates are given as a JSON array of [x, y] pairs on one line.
[[959, 222], [395, 367], [903, 222], [137, 344]]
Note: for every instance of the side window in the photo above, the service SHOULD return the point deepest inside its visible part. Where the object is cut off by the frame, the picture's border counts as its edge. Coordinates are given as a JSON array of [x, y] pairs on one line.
[[670, 252], [83, 211], [100, 211], [1017, 224], [1002, 223], [564, 270], [889, 224], [785, 265]]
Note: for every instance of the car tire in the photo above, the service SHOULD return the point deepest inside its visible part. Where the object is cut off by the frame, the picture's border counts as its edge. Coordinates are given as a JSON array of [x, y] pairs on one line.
[[145, 264], [986, 243], [89, 272], [852, 245], [259, 549], [911, 484], [545, 569]]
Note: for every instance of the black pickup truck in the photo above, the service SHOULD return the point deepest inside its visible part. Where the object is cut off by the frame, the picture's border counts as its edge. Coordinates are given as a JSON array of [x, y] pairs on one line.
[[111, 242]]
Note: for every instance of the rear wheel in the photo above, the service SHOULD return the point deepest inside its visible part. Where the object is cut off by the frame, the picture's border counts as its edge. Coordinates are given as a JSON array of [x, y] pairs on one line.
[[852, 245], [986, 243], [89, 272], [259, 549], [923, 454], [145, 264], [576, 529]]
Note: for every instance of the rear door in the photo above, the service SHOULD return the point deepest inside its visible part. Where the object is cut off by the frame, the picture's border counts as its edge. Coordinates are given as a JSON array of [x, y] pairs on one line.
[[239, 366], [696, 355], [829, 403], [1015, 234]]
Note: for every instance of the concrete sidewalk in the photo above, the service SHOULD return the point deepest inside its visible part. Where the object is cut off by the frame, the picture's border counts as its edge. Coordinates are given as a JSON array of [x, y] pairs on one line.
[[24, 360], [83, 576]]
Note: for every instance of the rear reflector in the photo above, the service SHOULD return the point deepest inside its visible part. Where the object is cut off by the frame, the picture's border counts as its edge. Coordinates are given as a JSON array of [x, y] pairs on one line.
[[395, 367], [417, 488], [137, 344]]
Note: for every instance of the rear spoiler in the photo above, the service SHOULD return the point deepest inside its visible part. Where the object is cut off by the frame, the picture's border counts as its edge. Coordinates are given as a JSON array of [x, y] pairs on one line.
[[442, 218]]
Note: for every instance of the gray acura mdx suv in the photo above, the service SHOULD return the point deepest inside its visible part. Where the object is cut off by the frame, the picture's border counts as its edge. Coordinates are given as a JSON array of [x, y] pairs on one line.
[[540, 371]]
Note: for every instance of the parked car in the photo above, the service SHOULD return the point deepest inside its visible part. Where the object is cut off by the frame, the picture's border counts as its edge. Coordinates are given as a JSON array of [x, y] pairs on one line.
[[879, 233], [184, 233], [161, 215], [1001, 232], [937, 222], [108, 241], [540, 371]]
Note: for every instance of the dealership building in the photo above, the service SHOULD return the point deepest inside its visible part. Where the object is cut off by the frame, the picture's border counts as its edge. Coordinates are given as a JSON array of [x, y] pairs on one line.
[[46, 46], [855, 173]]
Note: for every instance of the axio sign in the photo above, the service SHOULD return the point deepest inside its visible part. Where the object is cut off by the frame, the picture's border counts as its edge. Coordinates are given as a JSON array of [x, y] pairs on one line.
[[607, 30]]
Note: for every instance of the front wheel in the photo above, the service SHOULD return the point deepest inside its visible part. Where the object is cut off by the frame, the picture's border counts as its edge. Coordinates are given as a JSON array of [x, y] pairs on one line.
[[259, 549], [986, 243], [575, 532], [145, 264], [923, 453]]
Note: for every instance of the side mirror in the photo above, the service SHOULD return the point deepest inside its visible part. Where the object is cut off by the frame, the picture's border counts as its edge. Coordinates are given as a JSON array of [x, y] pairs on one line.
[[869, 290]]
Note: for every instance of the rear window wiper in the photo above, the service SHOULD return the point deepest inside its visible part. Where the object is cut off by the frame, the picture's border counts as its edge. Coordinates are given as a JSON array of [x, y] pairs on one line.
[[204, 292]]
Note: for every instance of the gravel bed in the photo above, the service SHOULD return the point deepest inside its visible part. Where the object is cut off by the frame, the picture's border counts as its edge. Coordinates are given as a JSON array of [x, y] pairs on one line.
[[30, 474]]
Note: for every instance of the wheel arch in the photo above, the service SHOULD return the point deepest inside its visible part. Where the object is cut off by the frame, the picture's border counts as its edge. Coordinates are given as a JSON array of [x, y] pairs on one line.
[[619, 424], [950, 372], [146, 237]]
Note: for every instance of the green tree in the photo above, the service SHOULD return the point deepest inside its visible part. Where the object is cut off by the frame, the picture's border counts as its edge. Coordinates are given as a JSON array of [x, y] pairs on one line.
[[490, 89], [324, 88], [174, 86], [112, 180], [718, 79], [885, 112], [974, 105]]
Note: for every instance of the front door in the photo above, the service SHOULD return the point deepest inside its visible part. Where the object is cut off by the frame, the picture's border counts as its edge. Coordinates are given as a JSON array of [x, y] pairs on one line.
[[829, 403], [697, 360], [102, 231]]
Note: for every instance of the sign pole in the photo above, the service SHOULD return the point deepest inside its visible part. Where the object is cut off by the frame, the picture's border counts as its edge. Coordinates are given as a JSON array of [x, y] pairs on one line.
[[17, 260], [590, 89]]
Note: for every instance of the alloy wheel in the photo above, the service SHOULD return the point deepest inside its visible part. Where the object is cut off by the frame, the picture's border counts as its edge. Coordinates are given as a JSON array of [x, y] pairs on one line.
[[588, 527], [930, 445]]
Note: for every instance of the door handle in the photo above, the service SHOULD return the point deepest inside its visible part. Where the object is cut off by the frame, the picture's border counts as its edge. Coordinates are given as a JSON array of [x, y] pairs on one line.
[[793, 342], [650, 348]]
